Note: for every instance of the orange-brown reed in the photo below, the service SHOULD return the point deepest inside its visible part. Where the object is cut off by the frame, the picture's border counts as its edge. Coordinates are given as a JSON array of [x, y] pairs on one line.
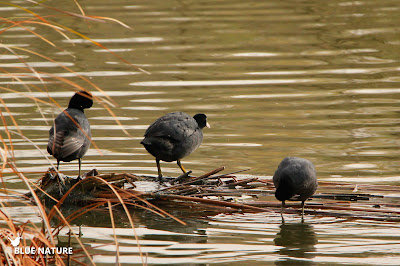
[[33, 234]]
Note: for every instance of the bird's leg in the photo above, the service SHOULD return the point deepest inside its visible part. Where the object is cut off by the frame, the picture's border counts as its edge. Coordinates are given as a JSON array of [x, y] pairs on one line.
[[302, 211], [79, 161], [159, 170], [282, 207], [180, 166], [57, 172]]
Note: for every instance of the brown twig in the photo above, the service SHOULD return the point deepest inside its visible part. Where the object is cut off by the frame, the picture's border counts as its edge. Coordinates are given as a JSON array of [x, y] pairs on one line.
[[210, 201], [179, 178], [195, 179], [239, 183], [192, 194]]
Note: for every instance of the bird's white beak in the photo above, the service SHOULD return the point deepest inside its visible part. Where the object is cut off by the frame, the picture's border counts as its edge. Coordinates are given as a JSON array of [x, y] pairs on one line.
[[208, 125]]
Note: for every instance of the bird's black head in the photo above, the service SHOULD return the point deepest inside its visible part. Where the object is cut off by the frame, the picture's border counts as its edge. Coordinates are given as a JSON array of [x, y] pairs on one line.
[[201, 120], [81, 100], [284, 191]]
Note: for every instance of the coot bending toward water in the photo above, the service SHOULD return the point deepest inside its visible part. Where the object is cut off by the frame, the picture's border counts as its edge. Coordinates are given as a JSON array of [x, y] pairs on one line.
[[173, 137], [70, 134], [296, 179]]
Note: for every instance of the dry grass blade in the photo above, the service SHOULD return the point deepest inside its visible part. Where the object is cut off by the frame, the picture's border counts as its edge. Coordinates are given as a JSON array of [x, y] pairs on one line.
[[11, 50], [9, 138], [25, 95], [158, 209], [127, 213], [61, 201], [5, 217], [23, 230], [117, 262], [80, 128], [76, 237], [43, 191], [138, 206], [12, 119], [45, 236], [54, 27], [194, 180], [27, 87], [230, 197], [212, 202], [83, 16], [215, 171], [4, 158], [8, 256], [98, 99], [231, 173], [117, 121], [114, 20], [20, 24], [38, 203], [24, 9], [102, 46], [80, 8], [82, 211], [59, 28], [34, 144], [74, 85], [118, 196]]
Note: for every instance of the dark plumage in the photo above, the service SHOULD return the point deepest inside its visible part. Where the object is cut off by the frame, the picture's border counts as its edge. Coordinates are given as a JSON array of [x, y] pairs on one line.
[[295, 179], [174, 136], [69, 137]]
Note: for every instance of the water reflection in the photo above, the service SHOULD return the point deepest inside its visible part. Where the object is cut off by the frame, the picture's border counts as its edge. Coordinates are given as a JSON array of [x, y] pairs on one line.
[[297, 244], [184, 234], [144, 219]]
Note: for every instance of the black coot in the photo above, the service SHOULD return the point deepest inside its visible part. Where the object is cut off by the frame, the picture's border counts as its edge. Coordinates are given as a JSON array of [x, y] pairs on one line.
[[70, 134], [174, 136], [295, 179]]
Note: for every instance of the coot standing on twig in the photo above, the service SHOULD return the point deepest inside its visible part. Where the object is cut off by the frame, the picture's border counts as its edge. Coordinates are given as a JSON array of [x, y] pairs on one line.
[[70, 134], [295, 179], [173, 137]]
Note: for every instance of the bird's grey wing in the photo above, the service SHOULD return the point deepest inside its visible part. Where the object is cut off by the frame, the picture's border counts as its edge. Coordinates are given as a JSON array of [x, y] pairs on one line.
[[173, 125], [65, 141], [62, 146], [71, 145]]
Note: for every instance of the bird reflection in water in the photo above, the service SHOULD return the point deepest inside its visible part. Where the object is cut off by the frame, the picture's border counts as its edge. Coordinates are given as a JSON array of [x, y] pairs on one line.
[[297, 242]]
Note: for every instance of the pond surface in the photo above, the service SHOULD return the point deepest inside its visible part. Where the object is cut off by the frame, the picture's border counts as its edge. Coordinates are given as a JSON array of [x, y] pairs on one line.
[[313, 79]]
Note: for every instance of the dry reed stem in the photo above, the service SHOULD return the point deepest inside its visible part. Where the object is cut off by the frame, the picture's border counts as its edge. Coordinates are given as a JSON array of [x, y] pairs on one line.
[[76, 237], [127, 213], [210, 202], [178, 194], [195, 179], [46, 237], [117, 262]]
